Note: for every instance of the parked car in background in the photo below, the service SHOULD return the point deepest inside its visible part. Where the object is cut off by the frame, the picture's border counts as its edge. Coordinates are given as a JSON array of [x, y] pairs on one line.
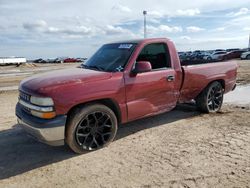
[[51, 61], [196, 55], [217, 56], [232, 49], [245, 55], [40, 60], [80, 59], [219, 50], [71, 60], [234, 54], [205, 54], [60, 59]]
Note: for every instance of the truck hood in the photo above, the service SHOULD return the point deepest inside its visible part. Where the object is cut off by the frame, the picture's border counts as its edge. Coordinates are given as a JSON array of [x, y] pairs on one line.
[[46, 81]]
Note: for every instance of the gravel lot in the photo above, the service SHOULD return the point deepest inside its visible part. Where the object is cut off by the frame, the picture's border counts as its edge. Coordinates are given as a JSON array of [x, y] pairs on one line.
[[181, 148]]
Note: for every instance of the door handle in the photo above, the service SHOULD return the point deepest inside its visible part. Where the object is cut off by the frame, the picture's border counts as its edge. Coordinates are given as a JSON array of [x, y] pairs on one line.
[[170, 78]]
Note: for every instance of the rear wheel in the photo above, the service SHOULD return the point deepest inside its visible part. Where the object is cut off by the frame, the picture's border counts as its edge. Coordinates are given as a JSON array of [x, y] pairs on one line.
[[90, 128], [248, 57], [211, 98]]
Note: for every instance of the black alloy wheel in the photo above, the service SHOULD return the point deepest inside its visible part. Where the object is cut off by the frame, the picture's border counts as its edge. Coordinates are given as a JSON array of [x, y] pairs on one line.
[[215, 97], [90, 127], [211, 98], [94, 130]]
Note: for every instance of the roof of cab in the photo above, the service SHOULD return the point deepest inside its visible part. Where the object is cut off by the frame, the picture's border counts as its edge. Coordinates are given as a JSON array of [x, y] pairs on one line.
[[137, 41]]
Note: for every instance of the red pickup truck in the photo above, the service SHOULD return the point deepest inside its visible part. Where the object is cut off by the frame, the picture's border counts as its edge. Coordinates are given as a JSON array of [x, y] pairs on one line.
[[121, 82]]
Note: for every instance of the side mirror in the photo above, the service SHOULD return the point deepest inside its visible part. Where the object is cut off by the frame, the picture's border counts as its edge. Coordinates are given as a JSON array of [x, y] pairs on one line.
[[142, 66]]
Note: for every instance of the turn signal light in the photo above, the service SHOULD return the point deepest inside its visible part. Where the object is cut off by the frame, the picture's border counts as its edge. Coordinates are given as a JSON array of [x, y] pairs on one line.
[[44, 115]]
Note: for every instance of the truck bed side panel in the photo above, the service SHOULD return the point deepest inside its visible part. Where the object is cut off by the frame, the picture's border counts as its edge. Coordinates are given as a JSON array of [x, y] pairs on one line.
[[197, 77]]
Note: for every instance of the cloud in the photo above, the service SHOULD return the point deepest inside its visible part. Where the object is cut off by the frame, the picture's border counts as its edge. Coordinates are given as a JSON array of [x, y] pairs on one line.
[[239, 21], [155, 14], [37, 25], [242, 11], [2, 27], [185, 38], [77, 31], [188, 12], [220, 29], [194, 29], [221, 39], [108, 20], [153, 21], [42, 27], [163, 29], [121, 8], [211, 43], [112, 30], [246, 29], [169, 29]]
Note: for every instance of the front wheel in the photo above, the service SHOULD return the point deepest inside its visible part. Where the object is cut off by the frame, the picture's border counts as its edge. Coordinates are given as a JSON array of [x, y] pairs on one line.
[[90, 128], [211, 98], [248, 57]]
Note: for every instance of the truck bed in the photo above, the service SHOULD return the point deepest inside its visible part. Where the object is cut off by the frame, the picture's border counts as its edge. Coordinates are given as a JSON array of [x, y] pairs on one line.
[[197, 77]]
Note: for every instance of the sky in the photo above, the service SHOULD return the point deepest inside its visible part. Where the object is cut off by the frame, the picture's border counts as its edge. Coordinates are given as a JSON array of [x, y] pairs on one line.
[[61, 28]]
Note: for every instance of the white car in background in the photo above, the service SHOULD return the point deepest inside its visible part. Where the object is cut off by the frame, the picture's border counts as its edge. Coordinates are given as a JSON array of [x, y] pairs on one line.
[[245, 55], [216, 56]]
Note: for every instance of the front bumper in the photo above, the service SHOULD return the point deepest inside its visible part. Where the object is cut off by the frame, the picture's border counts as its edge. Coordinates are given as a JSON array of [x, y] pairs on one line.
[[48, 131]]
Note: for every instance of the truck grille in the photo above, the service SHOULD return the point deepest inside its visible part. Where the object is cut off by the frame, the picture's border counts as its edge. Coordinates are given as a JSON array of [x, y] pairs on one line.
[[23, 96]]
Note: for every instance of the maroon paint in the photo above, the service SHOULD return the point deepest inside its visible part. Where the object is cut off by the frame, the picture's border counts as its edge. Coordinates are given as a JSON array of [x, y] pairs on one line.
[[137, 96]]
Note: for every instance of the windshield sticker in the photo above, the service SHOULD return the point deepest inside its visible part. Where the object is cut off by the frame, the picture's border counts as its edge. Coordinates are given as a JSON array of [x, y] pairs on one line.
[[125, 46], [119, 69]]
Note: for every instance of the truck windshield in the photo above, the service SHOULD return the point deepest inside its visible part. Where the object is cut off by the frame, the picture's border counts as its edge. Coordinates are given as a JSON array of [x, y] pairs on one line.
[[110, 57]]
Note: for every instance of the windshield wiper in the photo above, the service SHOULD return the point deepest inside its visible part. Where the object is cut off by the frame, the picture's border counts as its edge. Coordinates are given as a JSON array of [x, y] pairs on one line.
[[92, 67]]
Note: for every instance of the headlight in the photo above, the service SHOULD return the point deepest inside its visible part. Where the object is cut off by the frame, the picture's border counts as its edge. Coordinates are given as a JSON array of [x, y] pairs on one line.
[[41, 101]]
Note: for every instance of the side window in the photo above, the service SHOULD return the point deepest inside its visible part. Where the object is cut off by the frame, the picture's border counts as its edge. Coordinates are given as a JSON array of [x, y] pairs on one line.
[[157, 54]]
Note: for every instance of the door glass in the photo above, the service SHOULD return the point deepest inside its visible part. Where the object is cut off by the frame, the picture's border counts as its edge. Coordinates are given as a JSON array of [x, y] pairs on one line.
[[157, 54]]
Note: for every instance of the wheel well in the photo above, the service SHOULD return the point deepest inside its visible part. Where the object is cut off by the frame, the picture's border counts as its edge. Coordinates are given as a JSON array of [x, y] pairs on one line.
[[222, 82], [107, 102]]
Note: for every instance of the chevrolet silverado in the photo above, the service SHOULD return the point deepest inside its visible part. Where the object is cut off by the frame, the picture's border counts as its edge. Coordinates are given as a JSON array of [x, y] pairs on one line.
[[121, 82]]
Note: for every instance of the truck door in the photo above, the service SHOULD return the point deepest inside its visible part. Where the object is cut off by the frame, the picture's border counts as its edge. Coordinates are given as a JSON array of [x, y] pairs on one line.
[[151, 92]]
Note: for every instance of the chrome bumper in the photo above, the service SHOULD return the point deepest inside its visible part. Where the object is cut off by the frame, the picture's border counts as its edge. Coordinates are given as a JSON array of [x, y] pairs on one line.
[[51, 136], [48, 131]]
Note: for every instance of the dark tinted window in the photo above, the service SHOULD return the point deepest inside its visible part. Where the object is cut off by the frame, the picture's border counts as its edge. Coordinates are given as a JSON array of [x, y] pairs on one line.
[[157, 54], [111, 57], [220, 53]]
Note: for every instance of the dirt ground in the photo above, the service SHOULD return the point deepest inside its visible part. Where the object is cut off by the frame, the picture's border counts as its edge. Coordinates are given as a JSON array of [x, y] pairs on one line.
[[243, 72], [182, 148], [12, 75]]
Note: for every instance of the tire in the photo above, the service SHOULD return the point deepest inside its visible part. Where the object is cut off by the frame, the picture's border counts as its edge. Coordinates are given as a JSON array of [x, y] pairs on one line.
[[90, 128], [211, 98], [248, 57]]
